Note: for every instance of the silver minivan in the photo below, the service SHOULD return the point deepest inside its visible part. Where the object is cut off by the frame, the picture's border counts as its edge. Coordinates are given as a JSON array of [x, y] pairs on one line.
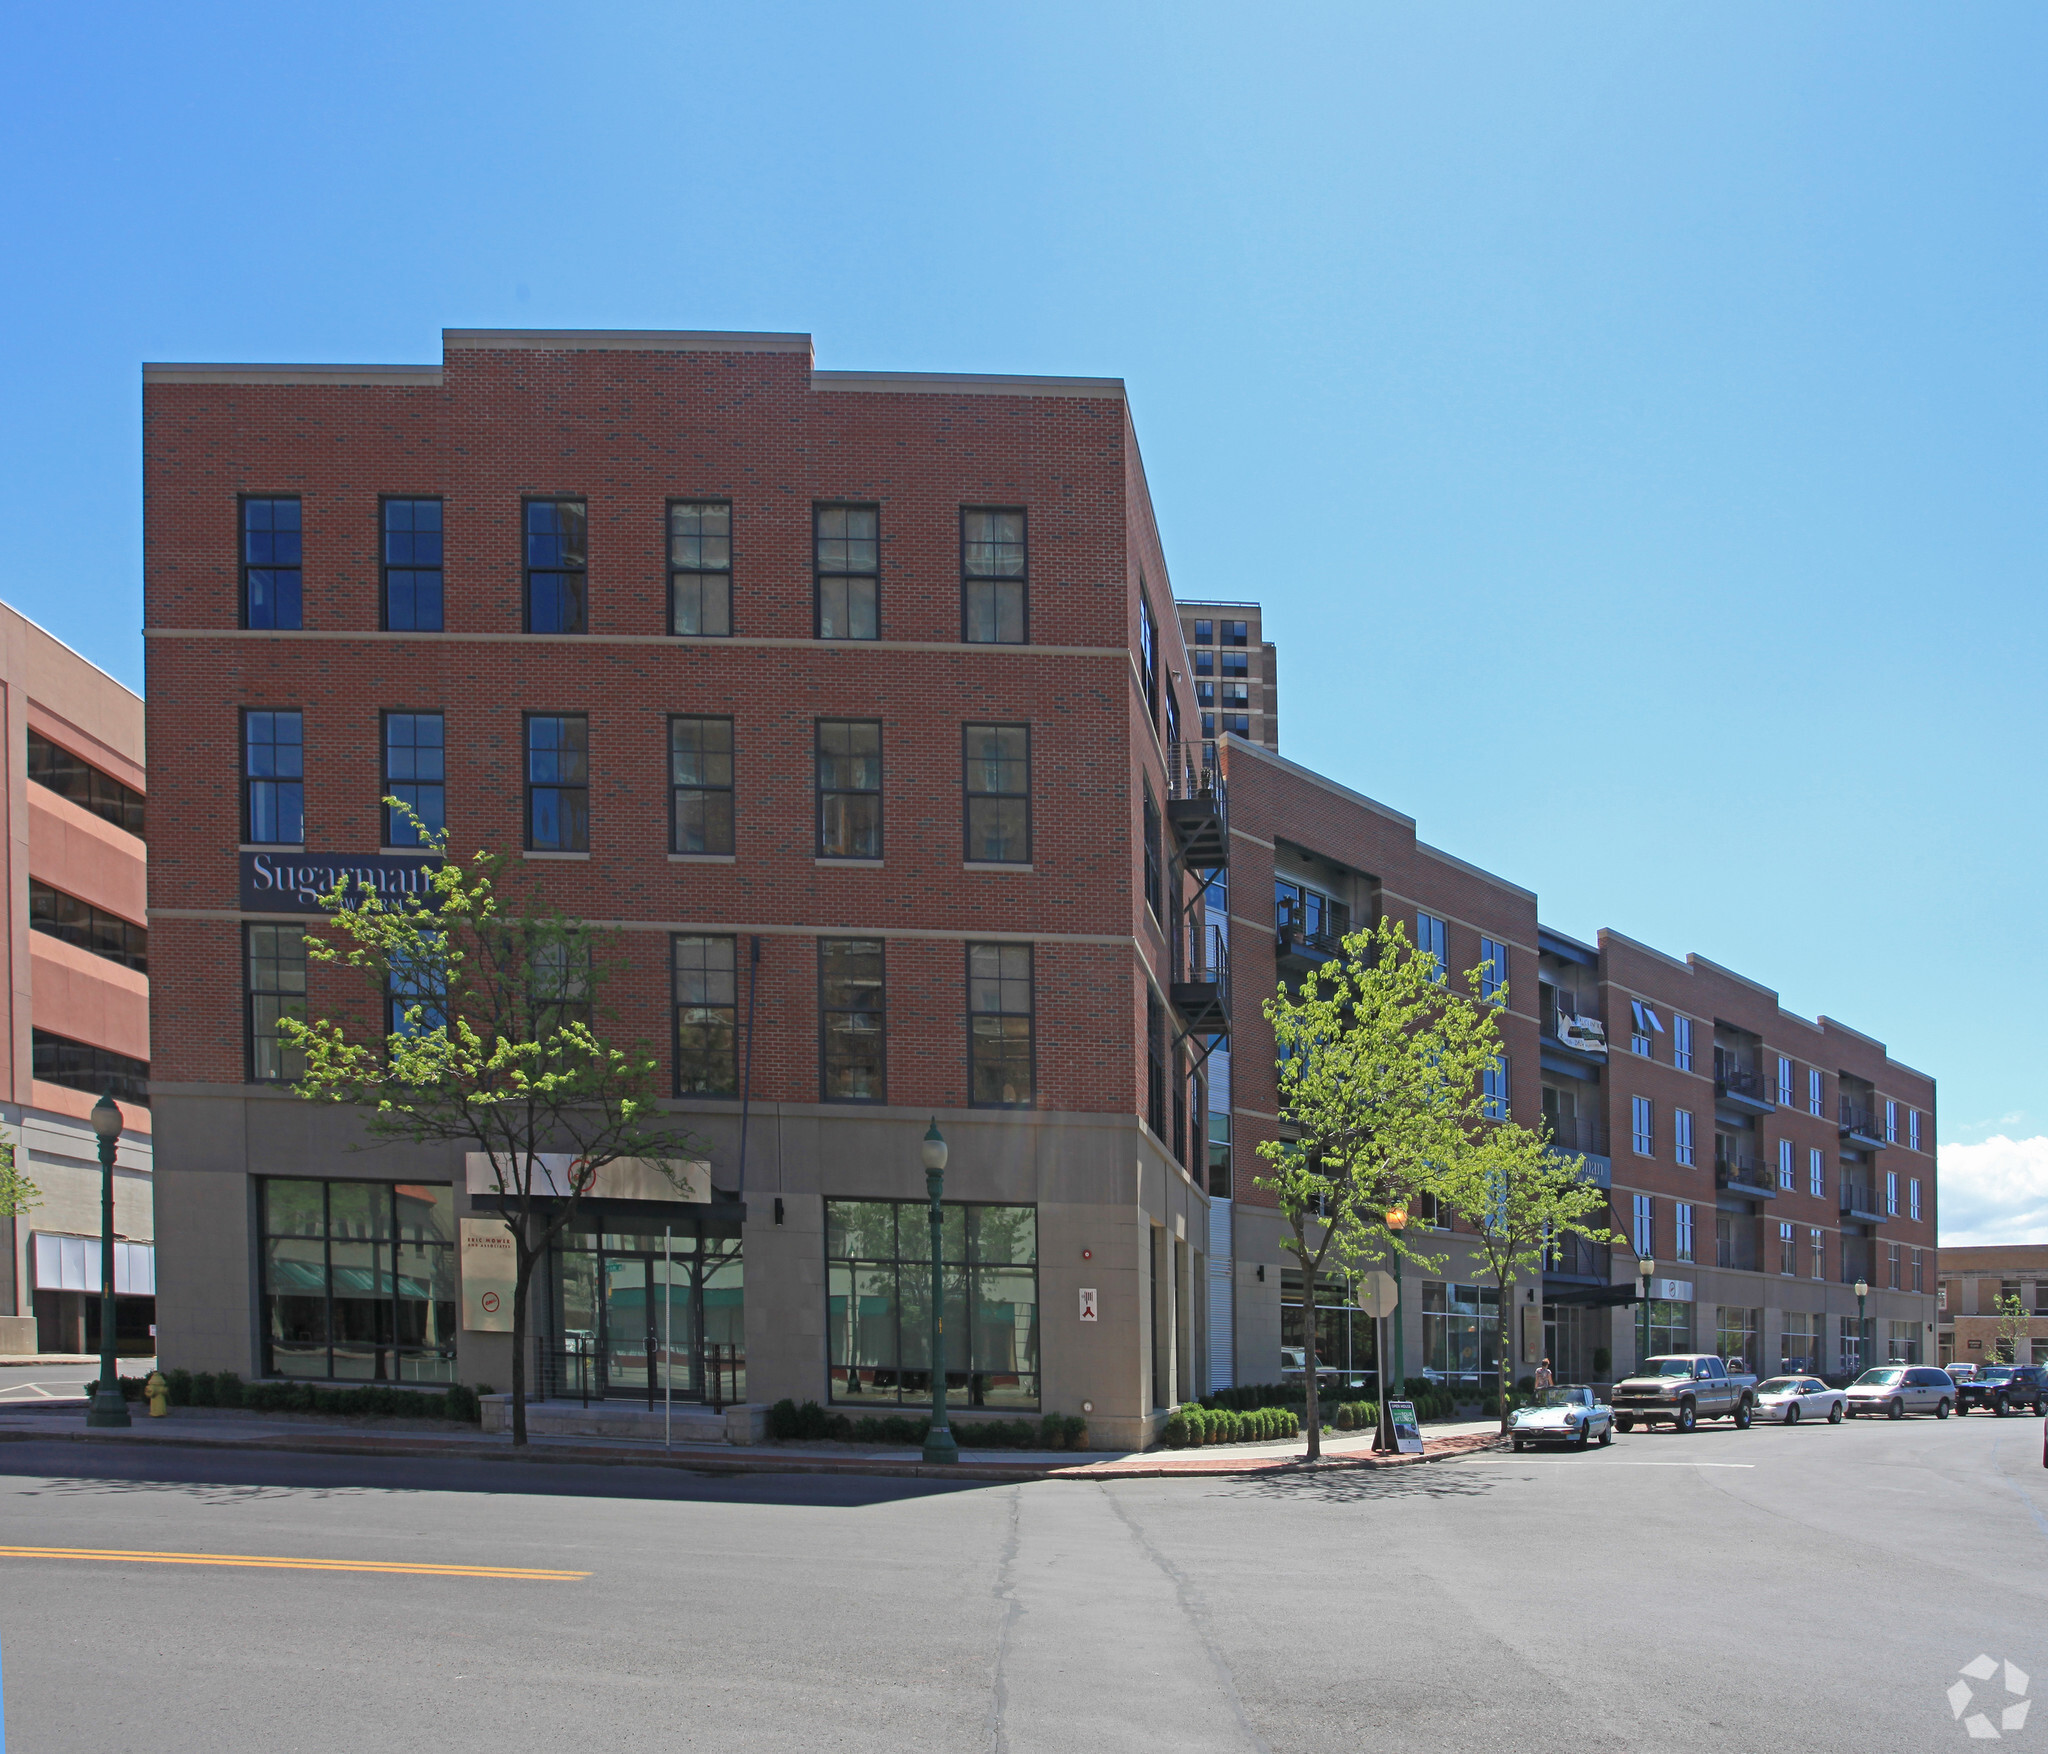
[[1898, 1389]]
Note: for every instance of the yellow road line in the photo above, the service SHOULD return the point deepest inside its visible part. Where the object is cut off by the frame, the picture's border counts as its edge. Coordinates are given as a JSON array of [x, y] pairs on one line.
[[270, 1563]]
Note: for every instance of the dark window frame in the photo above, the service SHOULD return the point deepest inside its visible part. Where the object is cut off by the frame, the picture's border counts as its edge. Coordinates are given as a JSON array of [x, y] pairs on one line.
[[100, 793], [1151, 825], [243, 564], [97, 923], [968, 794], [881, 1097], [730, 788], [529, 784], [527, 569], [676, 1007], [1022, 580], [385, 568], [250, 781], [251, 993], [122, 1074], [677, 573], [819, 575], [1029, 1014], [384, 718], [1148, 654], [820, 793]]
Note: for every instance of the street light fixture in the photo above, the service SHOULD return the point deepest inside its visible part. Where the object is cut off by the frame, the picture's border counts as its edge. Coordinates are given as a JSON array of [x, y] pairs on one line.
[[107, 1408], [1646, 1270], [1863, 1350], [939, 1442], [1397, 1221]]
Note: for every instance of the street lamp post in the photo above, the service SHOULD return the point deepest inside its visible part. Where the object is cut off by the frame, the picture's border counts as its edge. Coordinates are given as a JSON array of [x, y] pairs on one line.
[[1646, 1270], [1397, 1221], [107, 1407], [939, 1443], [1863, 1348]]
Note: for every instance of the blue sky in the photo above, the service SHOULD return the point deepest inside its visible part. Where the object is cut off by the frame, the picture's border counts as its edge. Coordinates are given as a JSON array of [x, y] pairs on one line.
[[1631, 416]]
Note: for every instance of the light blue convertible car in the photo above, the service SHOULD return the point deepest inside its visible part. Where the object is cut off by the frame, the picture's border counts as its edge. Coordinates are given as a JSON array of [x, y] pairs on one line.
[[1569, 1414]]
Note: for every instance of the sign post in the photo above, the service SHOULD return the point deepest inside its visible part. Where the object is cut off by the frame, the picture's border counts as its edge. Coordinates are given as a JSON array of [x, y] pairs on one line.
[[1379, 1297], [668, 1326]]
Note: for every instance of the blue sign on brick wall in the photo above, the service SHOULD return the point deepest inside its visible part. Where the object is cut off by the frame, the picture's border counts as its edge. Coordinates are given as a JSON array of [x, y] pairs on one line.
[[293, 883]]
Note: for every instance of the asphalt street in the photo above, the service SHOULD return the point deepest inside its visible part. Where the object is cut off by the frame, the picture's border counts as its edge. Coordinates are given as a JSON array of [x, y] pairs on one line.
[[1815, 1588]]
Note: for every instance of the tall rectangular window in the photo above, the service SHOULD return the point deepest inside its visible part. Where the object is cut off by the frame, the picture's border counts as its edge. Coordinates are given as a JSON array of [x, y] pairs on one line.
[[1493, 967], [707, 1015], [557, 783], [1682, 1226], [1682, 1135], [1818, 1255], [1813, 1090], [1155, 881], [849, 571], [1816, 1173], [1642, 1126], [996, 767], [273, 778], [700, 785], [1913, 1129], [999, 1025], [1784, 1082], [557, 566], [1891, 1122], [271, 551], [992, 577], [1205, 633], [1643, 1230], [849, 762], [700, 567], [851, 1020], [276, 963], [1891, 1193], [1785, 1164], [1148, 654], [1788, 1252], [1918, 1280], [1913, 1199], [1494, 1095], [1681, 1042], [416, 774], [1892, 1265], [412, 565], [1643, 1023], [1430, 940], [1155, 1064]]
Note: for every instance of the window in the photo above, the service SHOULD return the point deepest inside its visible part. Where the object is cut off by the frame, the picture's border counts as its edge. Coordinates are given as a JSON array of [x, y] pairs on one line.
[[1205, 665], [412, 565], [1493, 968], [1237, 724], [1219, 1155], [1205, 633], [1682, 1214], [1913, 1129], [1892, 1265], [1237, 694], [83, 784], [557, 566], [1682, 1135], [1813, 1090], [700, 785], [1236, 664], [1816, 1173], [1155, 881], [700, 567], [999, 1025], [1850, 1329], [558, 782], [1670, 1326], [1494, 1103], [1148, 655], [849, 568], [81, 924], [270, 563], [1642, 1126], [1788, 1253], [415, 773], [1918, 1284], [992, 577], [274, 778], [1819, 1268], [1784, 1082], [559, 982], [996, 767], [1913, 1199], [1681, 1042], [1891, 1193], [849, 789], [1891, 1122], [1785, 1163], [1429, 941], [1642, 1231], [878, 1312], [358, 1280], [707, 1015], [1205, 694], [416, 991], [1461, 1331], [1738, 1336], [850, 1020], [1941, 1296], [1642, 1020], [78, 1065], [1235, 632], [276, 959], [1155, 1064], [1800, 1343]]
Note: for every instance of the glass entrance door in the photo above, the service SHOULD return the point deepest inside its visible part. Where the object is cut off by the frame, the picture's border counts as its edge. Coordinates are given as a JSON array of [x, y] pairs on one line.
[[631, 1338], [633, 1322]]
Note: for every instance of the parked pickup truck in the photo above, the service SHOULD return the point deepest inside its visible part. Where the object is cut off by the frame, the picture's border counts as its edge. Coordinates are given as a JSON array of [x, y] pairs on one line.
[[1684, 1388]]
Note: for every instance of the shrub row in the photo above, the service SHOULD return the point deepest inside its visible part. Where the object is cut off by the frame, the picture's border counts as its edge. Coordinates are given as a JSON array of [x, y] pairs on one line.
[[811, 1423], [1356, 1416], [1431, 1401], [1192, 1425], [206, 1389]]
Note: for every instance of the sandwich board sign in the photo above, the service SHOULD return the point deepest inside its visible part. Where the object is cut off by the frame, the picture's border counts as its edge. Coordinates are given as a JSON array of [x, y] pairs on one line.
[[1407, 1434]]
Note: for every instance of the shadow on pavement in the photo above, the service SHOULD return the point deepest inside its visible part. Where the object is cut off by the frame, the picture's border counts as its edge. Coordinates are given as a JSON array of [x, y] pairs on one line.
[[1360, 1485]]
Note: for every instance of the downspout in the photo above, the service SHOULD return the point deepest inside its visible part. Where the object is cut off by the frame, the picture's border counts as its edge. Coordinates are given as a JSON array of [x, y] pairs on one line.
[[747, 1076]]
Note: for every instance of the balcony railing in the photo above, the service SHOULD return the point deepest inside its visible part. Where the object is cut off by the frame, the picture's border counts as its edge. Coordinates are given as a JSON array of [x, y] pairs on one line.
[[1861, 1123], [1197, 806], [1733, 1079], [1861, 1199], [1578, 1133], [1310, 937], [1741, 1173], [1201, 989]]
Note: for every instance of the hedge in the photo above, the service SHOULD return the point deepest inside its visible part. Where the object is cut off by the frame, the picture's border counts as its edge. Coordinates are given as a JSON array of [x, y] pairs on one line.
[[1192, 1425], [206, 1389], [811, 1423]]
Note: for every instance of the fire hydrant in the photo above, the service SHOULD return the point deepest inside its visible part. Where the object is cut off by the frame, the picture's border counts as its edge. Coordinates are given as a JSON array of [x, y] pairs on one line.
[[159, 1393]]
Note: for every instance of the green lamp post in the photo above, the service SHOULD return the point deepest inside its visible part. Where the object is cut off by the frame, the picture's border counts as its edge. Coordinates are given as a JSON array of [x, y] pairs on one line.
[[1646, 1270], [939, 1444], [1863, 1346], [1393, 1383], [107, 1407]]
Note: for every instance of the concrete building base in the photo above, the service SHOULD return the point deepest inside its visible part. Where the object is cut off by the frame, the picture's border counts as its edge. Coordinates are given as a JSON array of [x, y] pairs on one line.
[[17, 1336], [691, 1423]]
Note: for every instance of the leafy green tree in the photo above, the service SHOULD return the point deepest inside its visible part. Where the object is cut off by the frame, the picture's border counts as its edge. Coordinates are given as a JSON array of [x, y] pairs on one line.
[[2013, 1327], [1520, 1196], [482, 1030], [17, 1193], [1379, 1060]]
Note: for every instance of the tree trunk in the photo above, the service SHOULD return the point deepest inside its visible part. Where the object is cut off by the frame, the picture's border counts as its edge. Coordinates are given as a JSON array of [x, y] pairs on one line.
[[1314, 1419], [519, 1290]]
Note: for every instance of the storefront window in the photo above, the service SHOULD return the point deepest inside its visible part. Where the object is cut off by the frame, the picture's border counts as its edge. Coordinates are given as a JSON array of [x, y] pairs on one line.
[[878, 1303], [1738, 1335], [1902, 1342], [643, 1310], [1461, 1332], [359, 1280], [1802, 1344], [1344, 1333], [1670, 1327]]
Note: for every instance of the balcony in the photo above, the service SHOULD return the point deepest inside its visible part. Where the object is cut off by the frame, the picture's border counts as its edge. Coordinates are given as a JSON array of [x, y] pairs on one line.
[[1739, 1173], [1576, 1261], [1577, 1035], [1742, 1087], [1201, 990], [1862, 1201], [1861, 1125], [1197, 809], [1305, 941]]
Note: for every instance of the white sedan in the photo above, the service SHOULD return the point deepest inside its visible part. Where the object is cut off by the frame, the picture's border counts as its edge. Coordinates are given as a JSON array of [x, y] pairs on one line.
[[1789, 1399]]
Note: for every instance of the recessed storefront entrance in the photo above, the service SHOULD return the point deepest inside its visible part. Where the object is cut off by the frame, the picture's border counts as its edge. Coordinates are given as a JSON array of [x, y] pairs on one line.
[[637, 1317]]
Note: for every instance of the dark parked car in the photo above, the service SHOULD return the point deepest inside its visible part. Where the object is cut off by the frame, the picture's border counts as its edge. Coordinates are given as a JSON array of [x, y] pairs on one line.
[[2002, 1387]]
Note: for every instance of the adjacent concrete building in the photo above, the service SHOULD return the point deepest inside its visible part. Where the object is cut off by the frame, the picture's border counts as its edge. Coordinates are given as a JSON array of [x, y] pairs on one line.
[[1977, 1287], [77, 997], [1237, 671]]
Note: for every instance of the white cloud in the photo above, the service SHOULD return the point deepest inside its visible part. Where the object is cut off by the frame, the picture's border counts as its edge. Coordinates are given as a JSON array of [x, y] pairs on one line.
[[1996, 1192]]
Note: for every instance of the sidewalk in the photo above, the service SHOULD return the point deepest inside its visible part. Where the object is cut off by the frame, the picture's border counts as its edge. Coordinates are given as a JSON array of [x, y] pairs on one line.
[[310, 1434]]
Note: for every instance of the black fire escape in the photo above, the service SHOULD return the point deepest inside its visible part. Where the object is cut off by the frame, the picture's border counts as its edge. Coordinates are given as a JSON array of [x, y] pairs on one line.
[[1198, 818]]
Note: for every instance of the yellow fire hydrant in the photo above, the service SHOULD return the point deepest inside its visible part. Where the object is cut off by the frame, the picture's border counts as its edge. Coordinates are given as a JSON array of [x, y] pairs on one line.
[[159, 1393]]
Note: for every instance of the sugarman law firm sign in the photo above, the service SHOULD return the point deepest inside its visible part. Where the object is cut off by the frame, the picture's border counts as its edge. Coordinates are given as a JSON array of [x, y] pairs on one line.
[[293, 883]]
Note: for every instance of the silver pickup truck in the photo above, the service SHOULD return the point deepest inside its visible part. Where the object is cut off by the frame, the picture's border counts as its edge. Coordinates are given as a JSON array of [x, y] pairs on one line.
[[1684, 1388]]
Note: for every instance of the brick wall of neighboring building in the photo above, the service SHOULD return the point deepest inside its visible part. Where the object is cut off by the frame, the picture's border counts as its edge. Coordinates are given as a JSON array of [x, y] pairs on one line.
[[1973, 1282]]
